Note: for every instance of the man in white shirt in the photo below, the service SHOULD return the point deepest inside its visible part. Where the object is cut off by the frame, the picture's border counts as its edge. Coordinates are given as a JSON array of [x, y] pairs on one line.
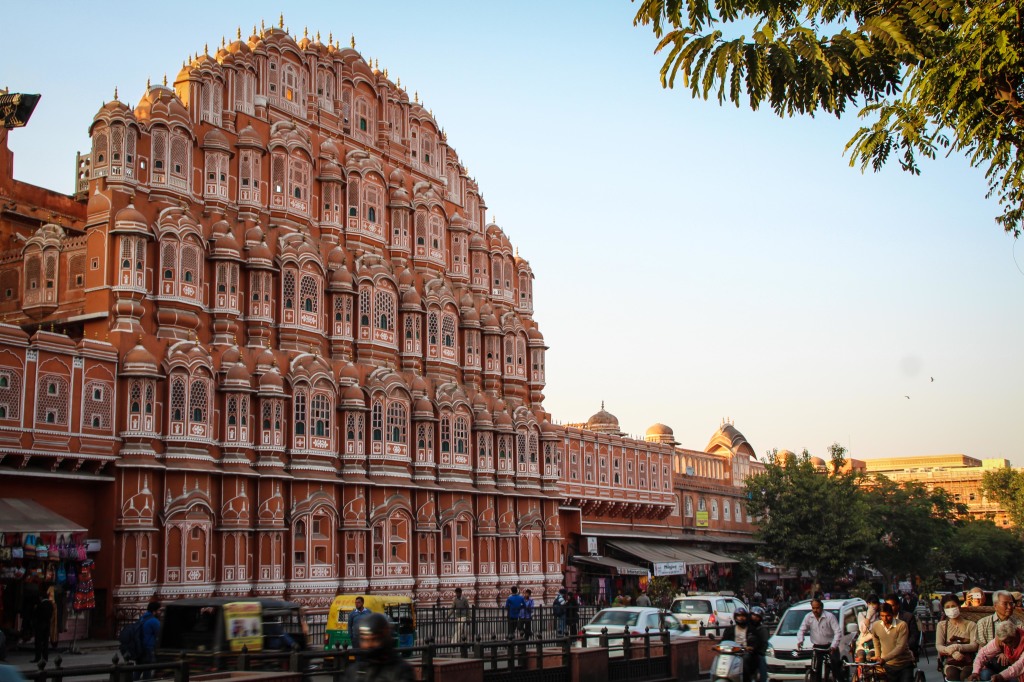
[[823, 629]]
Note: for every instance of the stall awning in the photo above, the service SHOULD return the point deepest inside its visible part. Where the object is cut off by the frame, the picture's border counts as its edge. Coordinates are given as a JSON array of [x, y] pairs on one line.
[[712, 557], [658, 553], [18, 515], [612, 565]]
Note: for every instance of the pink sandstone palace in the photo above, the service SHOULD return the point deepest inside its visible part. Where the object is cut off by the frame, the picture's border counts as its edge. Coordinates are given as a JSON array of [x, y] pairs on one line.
[[272, 346]]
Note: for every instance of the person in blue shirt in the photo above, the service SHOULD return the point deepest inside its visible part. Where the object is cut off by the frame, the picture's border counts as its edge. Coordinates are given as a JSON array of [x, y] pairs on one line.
[[150, 637], [514, 608], [526, 615], [353, 621]]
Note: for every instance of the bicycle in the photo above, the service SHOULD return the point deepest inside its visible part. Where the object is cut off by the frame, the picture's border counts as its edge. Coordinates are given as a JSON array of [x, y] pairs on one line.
[[821, 664], [866, 671]]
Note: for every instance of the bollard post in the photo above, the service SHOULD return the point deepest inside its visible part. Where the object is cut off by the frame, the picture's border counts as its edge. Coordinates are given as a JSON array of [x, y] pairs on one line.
[[625, 644], [243, 658], [428, 663]]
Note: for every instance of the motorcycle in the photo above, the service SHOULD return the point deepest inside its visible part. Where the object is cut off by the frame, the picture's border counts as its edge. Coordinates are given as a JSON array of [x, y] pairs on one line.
[[727, 665]]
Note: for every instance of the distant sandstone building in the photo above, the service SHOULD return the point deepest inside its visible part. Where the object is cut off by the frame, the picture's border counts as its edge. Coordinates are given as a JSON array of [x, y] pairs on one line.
[[959, 475], [273, 347]]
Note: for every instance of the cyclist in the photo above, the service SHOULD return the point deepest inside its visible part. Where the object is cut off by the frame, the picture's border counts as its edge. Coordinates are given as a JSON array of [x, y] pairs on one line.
[[823, 629], [889, 637], [900, 612]]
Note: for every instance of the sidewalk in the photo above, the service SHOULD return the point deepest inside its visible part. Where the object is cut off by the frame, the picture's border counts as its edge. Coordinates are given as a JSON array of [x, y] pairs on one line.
[[89, 652]]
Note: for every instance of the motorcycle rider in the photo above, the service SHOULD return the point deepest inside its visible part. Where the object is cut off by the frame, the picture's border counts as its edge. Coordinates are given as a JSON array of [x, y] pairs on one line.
[[761, 634], [376, 659], [746, 636]]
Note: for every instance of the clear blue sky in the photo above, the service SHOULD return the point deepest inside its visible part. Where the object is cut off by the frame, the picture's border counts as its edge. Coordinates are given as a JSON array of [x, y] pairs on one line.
[[693, 262]]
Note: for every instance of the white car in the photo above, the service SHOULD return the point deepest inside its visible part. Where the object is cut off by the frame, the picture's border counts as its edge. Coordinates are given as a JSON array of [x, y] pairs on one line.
[[785, 661], [710, 610], [636, 619]]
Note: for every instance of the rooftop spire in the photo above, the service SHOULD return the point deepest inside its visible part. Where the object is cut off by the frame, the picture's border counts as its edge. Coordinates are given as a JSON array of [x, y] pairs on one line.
[[352, 42], [281, 21]]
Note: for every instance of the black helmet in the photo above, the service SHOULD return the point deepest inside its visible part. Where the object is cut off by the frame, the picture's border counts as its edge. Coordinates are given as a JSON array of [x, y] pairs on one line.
[[757, 611], [375, 624], [740, 613]]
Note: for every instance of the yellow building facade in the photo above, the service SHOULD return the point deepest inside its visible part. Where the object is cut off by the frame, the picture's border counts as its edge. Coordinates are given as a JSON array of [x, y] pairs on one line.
[[957, 474]]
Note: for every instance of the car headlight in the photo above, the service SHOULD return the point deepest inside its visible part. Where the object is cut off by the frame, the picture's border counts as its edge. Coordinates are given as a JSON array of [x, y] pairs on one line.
[[770, 651]]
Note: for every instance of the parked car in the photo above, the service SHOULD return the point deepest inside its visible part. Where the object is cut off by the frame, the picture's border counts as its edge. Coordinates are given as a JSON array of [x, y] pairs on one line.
[[636, 619], [785, 661], [705, 609]]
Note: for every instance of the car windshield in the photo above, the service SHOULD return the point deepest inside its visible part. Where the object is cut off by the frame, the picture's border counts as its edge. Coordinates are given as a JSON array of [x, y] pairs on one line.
[[620, 618], [698, 606], [790, 623]]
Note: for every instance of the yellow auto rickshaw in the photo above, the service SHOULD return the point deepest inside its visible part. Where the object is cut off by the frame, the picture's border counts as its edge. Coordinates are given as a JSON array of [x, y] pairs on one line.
[[400, 610]]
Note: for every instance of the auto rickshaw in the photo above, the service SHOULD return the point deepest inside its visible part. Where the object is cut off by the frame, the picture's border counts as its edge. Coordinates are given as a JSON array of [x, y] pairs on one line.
[[399, 609], [223, 625]]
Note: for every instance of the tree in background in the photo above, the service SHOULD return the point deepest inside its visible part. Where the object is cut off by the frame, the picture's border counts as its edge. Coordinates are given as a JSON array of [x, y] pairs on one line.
[[930, 75], [660, 591], [911, 526], [809, 519], [1006, 486], [985, 551]]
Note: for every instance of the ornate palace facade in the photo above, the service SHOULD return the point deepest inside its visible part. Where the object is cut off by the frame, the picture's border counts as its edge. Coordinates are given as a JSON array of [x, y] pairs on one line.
[[273, 347]]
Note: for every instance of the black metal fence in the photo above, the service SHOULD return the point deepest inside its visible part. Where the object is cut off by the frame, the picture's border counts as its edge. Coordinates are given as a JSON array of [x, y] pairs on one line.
[[632, 658], [440, 624]]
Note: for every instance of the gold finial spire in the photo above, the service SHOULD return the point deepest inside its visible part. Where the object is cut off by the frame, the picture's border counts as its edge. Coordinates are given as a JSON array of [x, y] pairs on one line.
[[147, 85], [318, 36], [165, 80], [385, 72], [416, 96], [399, 81], [115, 93], [352, 41], [254, 29], [281, 21], [376, 64], [263, 26], [330, 38], [206, 48], [223, 41], [238, 33]]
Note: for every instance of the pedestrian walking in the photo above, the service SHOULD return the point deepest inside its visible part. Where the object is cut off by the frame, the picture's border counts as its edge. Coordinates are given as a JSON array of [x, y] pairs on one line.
[[559, 608], [460, 610], [514, 610], [526, 615], [42, 615], [150, 636], [572, 613]]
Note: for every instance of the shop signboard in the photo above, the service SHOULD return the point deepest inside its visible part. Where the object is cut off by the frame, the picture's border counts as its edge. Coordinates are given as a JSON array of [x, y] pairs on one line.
[[591, 545], [702, 519], [670, 568], [243, 623]]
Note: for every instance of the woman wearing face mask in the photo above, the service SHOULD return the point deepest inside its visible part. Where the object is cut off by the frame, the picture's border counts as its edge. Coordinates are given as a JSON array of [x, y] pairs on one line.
[[955, 640]]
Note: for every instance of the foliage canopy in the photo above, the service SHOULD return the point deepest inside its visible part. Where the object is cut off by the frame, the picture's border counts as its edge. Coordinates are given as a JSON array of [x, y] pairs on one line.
[[929, 75], [830, 519], [1006, 486]]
